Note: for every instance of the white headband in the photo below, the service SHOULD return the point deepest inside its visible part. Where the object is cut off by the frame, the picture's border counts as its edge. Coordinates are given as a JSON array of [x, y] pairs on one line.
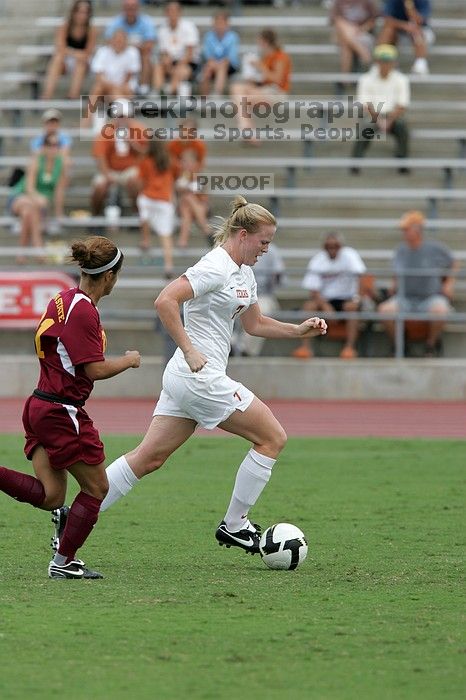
[[104, 268]]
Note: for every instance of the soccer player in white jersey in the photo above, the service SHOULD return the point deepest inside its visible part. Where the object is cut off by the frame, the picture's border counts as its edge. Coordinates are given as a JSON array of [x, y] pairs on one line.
[[196, 388]]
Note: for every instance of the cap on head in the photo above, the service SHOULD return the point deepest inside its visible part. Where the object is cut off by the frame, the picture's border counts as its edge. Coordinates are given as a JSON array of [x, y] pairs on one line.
[[412, 218], [50, 114], [385, 52]]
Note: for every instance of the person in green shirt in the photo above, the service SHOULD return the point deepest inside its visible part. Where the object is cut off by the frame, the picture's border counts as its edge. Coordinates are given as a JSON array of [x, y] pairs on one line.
[[34, 194]]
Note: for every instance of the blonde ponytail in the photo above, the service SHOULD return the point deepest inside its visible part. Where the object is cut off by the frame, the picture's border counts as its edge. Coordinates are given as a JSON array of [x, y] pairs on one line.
[[245, 215]]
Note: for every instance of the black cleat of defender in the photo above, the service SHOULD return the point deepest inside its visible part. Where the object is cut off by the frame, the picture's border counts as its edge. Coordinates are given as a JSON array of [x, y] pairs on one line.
[[59, 517], [74, 569], [245, 539]]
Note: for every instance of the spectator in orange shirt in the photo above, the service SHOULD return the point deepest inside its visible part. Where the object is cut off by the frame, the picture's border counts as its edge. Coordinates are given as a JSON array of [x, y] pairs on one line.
[[265, 77], [117, 150], [188, 154], [155, 202]]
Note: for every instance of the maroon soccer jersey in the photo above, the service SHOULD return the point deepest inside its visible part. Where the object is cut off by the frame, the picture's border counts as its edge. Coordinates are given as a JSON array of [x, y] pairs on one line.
[[69, 335]]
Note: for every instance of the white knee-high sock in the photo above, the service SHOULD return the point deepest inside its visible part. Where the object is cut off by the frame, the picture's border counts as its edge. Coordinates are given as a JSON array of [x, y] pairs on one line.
[[121, 480], [253, 474]]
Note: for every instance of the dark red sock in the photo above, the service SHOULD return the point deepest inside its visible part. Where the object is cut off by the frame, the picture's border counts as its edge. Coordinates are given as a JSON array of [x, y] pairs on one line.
[[81, 519], [23, 487]]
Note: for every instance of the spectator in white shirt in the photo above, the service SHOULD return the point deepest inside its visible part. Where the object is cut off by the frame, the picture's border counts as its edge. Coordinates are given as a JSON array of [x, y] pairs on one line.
[[332, 278], [178, 57], [116, 68], [385, 94]]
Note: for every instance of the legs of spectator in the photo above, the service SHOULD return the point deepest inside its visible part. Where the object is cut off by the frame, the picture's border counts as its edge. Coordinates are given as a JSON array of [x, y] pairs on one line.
[[241, 93], [146, 238], [199, 207], [352, 330], [389, 307], [167, 248], [221, 74], [361, 145], [29, 210], [77, 77], [54, 71], [388, 33], [207, 75], [441, 307], [98, 196], [181, 73], [348, 39], [400, 131], [186, 219], [304, 350], [133, 187], [146, 63]]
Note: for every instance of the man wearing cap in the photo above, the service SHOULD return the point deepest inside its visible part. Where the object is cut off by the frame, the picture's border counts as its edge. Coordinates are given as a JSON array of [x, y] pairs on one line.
[[385, 94], [428, 293]]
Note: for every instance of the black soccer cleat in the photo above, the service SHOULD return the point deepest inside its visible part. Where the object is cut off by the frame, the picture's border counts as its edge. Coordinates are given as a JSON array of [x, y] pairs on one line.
[[245, 539], [59, 517], [74, 569]]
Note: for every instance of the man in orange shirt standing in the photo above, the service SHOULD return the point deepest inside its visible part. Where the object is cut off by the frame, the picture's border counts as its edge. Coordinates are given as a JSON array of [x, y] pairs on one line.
[[117, 150]]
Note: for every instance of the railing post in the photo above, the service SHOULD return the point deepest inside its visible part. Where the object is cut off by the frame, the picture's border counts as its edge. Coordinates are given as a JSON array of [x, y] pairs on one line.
[[399, 320]]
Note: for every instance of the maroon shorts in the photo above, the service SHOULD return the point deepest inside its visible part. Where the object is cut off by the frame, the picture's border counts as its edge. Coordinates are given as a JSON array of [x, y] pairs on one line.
[[66, 433]]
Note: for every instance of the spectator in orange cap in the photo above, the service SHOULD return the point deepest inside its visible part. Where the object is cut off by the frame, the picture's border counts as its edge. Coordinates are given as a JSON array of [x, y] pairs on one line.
[[422, 293]]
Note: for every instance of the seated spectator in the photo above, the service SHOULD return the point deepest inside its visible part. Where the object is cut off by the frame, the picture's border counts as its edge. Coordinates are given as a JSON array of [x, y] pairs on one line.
[[268, 272], [219, 55], [117, 155], [188, 155], [413, 293], [155, 202], [385, 94], [178, 53], [353, 21], [141, 34], [116, 68], [51, 120], [265, 78], [332, 278], [410, 17], [74, 44], [35, 193]]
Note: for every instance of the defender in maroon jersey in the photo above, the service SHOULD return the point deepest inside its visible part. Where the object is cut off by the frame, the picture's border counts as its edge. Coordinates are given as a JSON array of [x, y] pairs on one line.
[[60, 436]]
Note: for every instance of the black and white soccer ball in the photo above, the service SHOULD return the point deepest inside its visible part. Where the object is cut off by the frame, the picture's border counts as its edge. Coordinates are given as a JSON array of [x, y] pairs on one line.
[[283, 546]]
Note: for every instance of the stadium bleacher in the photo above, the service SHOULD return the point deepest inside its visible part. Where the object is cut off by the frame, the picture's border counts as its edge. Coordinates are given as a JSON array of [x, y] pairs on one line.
[[314, 189]]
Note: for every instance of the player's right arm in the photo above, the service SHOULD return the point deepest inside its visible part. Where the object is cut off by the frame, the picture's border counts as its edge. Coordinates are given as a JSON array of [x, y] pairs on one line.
[[107, 368], [167, 306]]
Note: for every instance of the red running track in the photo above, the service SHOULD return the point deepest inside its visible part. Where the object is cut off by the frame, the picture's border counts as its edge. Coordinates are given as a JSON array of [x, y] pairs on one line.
[[429, 419]]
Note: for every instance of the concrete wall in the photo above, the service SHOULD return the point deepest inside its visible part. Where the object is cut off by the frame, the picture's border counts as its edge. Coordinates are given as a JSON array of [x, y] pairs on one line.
[[281, 378]]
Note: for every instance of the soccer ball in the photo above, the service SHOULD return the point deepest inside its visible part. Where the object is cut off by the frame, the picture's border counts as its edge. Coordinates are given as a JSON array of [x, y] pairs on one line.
[[283, 546]]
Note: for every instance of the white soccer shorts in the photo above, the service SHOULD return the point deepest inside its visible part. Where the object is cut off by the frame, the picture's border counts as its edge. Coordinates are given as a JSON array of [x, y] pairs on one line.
[[159, 214], [209, 398]]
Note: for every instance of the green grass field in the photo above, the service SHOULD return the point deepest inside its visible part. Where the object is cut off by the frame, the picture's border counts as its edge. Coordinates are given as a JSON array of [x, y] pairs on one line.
[[374, 612]]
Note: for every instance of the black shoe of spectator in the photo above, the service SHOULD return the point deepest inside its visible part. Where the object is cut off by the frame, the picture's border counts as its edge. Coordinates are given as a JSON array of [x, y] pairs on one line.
[[355, 171], [404, 171]]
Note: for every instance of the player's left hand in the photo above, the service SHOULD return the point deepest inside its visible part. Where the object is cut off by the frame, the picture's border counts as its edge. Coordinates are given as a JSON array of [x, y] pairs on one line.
[[312, 327]]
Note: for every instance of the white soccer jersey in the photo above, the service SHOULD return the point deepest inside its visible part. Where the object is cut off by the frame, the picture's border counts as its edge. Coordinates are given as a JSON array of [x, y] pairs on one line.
[[222, 291]]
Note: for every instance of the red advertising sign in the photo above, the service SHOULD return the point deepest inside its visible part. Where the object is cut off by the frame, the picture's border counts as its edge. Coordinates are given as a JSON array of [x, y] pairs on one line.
[[25, 295]]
